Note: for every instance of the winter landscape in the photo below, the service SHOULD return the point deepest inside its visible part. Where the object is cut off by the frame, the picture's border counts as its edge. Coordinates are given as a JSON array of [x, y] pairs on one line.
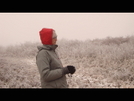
[[100, 63]]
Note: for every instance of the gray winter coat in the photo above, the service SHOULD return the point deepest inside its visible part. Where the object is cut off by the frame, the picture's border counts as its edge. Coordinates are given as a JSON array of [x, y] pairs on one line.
[[52, 72]]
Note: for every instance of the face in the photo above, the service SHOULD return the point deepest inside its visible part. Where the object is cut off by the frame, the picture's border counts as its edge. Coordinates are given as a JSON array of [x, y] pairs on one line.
[[54, 41]]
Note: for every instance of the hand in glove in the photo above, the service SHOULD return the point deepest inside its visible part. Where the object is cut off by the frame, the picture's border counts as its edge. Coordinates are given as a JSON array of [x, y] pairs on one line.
[[71, 69]]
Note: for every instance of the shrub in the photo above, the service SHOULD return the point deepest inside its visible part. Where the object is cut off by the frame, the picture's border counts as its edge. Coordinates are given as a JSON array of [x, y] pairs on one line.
[[116, 40]]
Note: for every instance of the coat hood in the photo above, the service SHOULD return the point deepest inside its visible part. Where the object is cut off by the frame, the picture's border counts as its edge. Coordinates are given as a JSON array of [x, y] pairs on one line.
[[47, 47], [46, 36]]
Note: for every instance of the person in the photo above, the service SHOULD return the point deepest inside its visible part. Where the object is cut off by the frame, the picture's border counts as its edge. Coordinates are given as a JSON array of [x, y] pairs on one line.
[[52, 72]]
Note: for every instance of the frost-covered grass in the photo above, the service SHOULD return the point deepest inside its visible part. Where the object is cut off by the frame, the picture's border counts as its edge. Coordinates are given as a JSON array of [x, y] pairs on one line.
[[100, 63]]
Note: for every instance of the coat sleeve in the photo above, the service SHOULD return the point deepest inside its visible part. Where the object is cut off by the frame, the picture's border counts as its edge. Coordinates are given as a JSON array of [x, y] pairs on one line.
[[42, 61]]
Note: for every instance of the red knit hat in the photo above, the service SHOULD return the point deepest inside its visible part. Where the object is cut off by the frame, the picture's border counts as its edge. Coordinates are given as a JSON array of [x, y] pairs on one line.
[[46, 36]]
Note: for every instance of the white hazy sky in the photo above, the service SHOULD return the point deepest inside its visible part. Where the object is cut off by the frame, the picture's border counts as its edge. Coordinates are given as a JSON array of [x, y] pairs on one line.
[[16, 28]]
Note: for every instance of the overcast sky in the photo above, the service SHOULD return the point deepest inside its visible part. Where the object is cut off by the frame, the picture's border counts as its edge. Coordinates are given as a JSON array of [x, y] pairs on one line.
[[16, 28]]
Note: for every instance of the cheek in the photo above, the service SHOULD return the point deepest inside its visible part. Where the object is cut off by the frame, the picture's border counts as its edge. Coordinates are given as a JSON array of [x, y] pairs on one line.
[[53, 41]]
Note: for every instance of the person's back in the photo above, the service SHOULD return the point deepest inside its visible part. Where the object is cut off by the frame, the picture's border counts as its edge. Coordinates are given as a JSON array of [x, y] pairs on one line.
[[52, 72]]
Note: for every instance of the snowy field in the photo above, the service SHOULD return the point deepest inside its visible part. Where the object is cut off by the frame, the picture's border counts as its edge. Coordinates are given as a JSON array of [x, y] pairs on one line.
[[100, 63]]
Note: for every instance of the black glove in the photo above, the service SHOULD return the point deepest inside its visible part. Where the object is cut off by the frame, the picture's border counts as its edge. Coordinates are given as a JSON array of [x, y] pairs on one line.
[[71, 69]]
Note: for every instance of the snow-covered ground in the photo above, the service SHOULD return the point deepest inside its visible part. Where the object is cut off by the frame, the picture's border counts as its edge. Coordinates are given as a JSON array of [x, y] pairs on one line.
[[99, 64]]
